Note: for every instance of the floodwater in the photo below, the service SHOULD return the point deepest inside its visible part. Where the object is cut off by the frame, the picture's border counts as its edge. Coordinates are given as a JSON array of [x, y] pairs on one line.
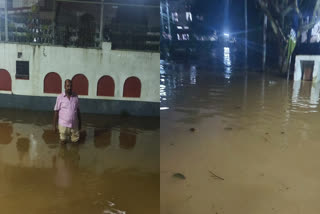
[[113, 170], [237, 141]]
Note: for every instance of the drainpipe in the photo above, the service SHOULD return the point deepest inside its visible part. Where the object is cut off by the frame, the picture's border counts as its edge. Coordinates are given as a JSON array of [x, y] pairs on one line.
[[101, 23], [6, 19]]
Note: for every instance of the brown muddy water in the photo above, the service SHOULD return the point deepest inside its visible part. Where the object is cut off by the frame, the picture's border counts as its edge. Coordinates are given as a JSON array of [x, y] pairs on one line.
[[114, 170], [237, 142]]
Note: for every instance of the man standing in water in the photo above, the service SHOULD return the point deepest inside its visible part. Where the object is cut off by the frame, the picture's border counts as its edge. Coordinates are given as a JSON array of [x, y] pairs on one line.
[[68, 113]]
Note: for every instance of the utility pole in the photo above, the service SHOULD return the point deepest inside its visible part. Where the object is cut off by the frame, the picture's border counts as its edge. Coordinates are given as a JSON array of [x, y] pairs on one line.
[[168, 18], [6, 19], [161, 17], [265, 24], [246, 28], [101, 23], [54, 21]]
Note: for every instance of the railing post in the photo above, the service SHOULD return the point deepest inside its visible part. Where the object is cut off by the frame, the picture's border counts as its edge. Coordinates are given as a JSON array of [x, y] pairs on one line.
[[101, 23], [6, 19], [54, 22]]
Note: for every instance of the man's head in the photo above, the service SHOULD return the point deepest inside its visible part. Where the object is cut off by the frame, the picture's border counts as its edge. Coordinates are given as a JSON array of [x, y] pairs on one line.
[[68, 87]]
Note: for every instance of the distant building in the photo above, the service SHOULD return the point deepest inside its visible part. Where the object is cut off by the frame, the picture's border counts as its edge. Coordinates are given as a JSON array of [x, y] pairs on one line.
[[178, 14]]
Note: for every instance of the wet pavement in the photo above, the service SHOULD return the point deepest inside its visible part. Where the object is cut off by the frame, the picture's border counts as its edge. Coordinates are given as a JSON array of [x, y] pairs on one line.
[[113, 170], [237, 141]]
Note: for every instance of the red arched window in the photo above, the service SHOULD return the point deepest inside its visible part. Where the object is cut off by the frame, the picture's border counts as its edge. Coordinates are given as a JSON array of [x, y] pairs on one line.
[[105, 86], [132, 87], [5, 80], [80, 84], [52, 83]]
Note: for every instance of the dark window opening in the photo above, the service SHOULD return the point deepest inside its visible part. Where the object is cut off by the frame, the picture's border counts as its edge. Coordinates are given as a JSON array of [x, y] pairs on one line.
[[22, 70], [307, 70]]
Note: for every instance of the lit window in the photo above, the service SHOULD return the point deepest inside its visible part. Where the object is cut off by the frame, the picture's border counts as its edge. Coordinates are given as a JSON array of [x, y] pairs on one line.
[[185, 36], [186, 27], [179, 27], [188, 16], [304, 37], [178, 37], [315, 33], [175, 17]]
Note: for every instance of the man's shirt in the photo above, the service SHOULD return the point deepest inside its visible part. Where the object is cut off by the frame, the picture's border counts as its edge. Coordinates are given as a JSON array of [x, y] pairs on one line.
[[67, 110]]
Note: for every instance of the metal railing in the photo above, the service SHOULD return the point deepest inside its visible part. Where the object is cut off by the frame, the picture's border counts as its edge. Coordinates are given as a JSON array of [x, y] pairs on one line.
[[32, 26]]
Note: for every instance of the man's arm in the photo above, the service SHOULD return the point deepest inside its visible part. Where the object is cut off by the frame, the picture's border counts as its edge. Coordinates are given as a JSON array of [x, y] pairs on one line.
[[79, 118], [55, 120]]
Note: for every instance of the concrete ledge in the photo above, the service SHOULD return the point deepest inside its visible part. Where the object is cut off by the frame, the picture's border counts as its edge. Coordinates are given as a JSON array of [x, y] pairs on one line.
[[97, 106]]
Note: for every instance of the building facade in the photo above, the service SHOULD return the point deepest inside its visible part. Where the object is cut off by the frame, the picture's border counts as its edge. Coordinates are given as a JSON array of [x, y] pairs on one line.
[[178, 14], [107, 81]]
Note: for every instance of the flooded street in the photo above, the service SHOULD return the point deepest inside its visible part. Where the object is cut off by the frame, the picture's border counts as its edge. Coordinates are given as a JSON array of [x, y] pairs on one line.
[[113, 170], [237, 141]]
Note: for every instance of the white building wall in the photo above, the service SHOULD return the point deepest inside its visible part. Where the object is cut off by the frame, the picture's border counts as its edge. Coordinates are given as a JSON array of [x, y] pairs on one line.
[[297, 67], [93, 63]]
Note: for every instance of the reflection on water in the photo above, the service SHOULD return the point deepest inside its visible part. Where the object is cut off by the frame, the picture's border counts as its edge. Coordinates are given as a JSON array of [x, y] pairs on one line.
[[227, 62], [193, 75], [127, 139], [102, 138], [5, 133], [163, 93], [305, 96], [115, 169], [255, 130], [50, 137], [23, 145], [66, 164]]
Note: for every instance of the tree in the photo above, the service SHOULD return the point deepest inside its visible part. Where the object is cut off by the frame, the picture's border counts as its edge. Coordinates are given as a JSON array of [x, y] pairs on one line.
[[282, 13]]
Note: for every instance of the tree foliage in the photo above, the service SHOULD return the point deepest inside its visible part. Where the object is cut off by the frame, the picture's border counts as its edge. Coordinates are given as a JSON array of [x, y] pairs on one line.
[[286, 14]]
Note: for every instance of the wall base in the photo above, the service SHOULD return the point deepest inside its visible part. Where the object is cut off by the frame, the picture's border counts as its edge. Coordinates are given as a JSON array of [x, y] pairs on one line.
[[96, 106]]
